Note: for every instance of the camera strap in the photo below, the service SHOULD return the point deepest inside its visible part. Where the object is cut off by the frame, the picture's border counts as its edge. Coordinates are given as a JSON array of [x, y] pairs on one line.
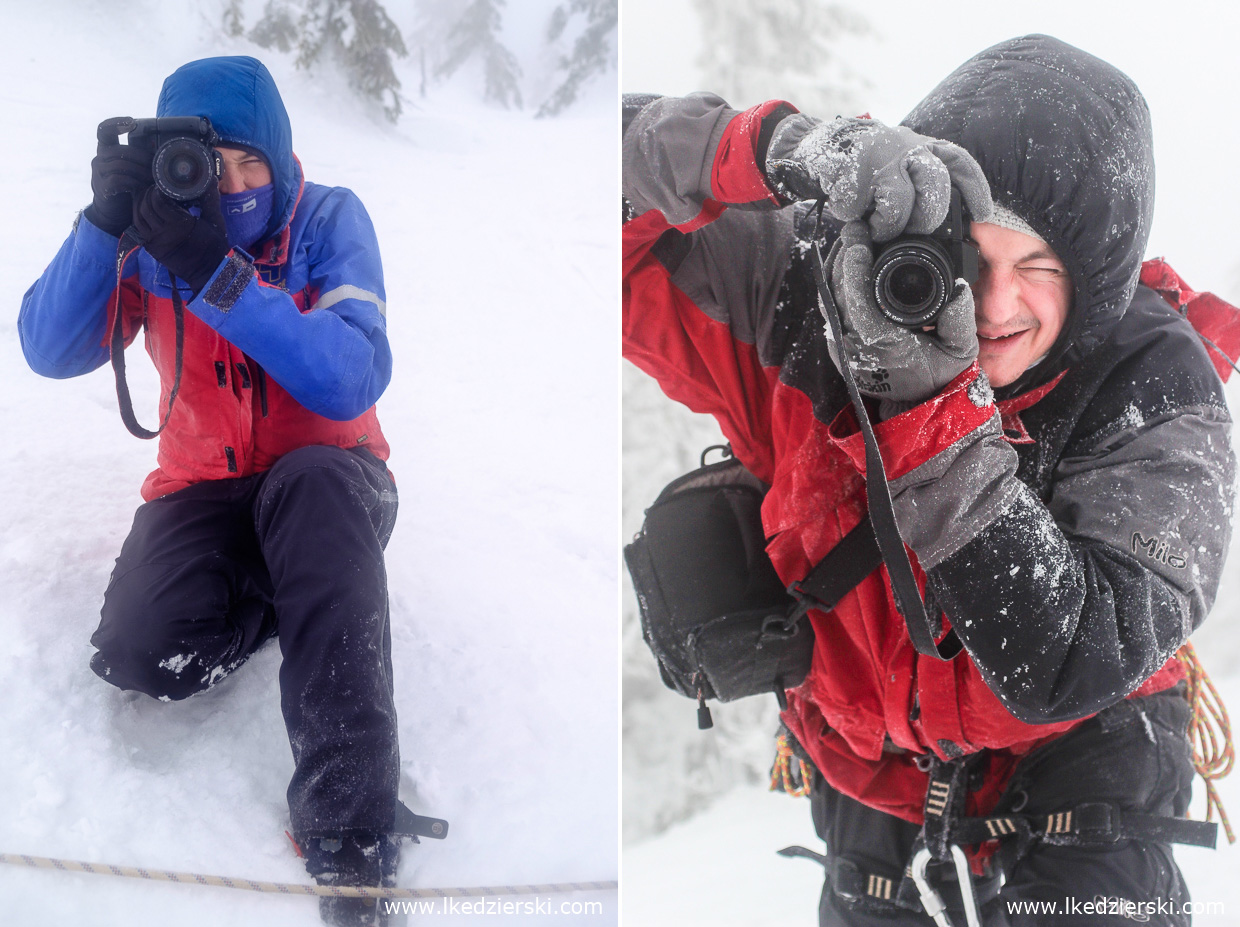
[[118, 346], [882, 514]]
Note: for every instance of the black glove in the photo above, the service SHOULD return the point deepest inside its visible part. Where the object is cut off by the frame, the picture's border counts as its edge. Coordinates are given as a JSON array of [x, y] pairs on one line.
[[118, 174], [190, 246]]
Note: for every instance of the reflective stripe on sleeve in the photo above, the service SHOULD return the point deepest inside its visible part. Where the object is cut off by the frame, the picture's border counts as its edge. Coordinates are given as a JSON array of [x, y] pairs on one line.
[[348, 291]]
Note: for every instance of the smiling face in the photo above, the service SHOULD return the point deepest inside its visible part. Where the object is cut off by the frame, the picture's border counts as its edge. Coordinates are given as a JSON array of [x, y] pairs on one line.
[[243, 170], [1022, 297]]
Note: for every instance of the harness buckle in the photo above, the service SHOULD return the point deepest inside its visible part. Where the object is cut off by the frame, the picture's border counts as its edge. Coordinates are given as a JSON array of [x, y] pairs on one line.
[[1097, 821]]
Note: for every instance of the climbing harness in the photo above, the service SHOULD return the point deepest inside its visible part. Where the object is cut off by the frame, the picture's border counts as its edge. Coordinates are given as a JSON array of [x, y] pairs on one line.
[[947, 832]]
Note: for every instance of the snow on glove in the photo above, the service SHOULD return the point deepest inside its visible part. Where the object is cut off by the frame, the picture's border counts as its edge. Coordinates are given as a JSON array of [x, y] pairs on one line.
[[900, 181], [901, 366], [190, 246], [118, 173]]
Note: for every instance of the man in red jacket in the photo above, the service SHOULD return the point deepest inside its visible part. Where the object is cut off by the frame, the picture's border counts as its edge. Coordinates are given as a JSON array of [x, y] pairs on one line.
[[1058, 449]]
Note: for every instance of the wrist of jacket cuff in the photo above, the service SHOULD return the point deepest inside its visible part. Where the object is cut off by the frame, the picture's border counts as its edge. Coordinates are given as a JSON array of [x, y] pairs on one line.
[[229, 282], [738, 168]]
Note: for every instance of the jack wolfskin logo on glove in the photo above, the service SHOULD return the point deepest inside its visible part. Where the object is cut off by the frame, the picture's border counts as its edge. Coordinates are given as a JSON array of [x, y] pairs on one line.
[[1158, 550], [878, 380]]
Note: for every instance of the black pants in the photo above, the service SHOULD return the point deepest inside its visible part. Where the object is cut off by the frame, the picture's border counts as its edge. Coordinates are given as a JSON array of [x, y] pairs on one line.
[[211, 572], [1135, 755]]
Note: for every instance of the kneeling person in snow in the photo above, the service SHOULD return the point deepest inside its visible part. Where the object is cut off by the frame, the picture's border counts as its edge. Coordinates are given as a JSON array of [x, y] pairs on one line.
[[1058, 416], [271, 505]]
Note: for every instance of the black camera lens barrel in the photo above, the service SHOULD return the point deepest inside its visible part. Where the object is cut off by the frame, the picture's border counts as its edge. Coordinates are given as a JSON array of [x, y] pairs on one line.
[[184, 168], [913, 280], [915, 275]]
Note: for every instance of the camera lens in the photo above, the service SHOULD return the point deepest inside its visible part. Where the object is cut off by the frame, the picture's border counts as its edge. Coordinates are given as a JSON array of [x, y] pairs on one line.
[[912, 282], [183, 169], [911, 286]]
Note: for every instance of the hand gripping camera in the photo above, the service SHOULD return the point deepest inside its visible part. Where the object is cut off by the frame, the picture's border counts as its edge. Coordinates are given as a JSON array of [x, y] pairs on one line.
[[184, 160], [914, 274]]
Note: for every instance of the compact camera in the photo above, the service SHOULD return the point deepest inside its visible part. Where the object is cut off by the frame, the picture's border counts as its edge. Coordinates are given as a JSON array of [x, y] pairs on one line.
[[184, 161], [914, 274]]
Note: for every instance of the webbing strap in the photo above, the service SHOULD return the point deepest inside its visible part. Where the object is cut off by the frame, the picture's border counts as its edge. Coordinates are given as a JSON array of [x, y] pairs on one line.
[[1090, 823], [850, 561], [118, 350], [882, 512]]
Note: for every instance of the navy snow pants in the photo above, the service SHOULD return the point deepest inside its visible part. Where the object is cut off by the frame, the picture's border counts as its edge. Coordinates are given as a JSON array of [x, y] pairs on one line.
[[209, 573], [1134, 755]]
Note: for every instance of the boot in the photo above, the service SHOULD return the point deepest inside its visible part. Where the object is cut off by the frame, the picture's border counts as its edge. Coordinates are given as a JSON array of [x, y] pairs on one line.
[[354, 859]]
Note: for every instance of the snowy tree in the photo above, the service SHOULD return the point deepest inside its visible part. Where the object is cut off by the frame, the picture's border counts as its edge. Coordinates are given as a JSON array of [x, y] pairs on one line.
[[233, 19], [278, 27], [593, 51], [475, 35], [357, 35], [784, 50]]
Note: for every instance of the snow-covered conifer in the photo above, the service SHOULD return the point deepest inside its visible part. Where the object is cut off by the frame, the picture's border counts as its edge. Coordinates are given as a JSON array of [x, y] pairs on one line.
[[786, 51], [358, 35], [475, 34], [593, 51]]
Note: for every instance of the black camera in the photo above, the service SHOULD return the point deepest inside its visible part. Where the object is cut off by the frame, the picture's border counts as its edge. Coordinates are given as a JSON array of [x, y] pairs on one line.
[[184, 161], [914, 274]]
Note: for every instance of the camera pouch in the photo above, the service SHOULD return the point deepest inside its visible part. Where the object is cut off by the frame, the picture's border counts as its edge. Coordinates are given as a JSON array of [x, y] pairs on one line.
[[714, 613]]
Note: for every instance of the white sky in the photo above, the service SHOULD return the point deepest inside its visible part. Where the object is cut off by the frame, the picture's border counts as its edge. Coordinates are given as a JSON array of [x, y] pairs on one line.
[[1182, 55]]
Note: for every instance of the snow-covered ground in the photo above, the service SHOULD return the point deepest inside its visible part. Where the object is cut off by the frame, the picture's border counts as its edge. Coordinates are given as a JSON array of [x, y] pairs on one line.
[[500, 250], [717, 866]]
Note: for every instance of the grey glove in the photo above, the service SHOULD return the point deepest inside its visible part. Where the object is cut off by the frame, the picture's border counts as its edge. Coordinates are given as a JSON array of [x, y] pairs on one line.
[[899, 180], [900, 366]]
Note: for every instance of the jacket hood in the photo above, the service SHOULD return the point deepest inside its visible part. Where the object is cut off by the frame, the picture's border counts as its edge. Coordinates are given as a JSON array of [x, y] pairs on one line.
[[240, 98], [1065, 140]]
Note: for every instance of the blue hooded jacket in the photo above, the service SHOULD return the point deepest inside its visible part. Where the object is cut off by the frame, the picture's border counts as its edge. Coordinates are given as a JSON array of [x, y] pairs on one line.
[[308, 310], [240, 98]]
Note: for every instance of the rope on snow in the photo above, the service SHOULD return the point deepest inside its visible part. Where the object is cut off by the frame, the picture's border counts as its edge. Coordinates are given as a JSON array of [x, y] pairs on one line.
[[294, 888]]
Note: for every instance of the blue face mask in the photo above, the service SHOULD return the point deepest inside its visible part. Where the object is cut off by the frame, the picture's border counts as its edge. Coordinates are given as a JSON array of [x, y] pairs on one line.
[[246, 215]]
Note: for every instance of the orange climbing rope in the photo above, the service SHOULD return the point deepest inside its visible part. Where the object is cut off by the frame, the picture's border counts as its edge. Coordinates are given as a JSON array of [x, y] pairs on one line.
[[794, 781], [1209, 733]]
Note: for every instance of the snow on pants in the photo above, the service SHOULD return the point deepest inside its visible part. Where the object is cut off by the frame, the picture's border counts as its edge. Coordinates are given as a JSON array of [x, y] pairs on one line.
[[1134, 755], [209, 573]]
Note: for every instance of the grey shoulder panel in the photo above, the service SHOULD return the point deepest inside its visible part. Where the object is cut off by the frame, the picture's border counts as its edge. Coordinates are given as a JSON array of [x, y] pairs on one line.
[[1161, 492], [733, 268], [668, 151]]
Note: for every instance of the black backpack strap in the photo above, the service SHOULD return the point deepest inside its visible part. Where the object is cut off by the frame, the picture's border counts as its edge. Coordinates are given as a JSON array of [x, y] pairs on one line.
[[850, 561]]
